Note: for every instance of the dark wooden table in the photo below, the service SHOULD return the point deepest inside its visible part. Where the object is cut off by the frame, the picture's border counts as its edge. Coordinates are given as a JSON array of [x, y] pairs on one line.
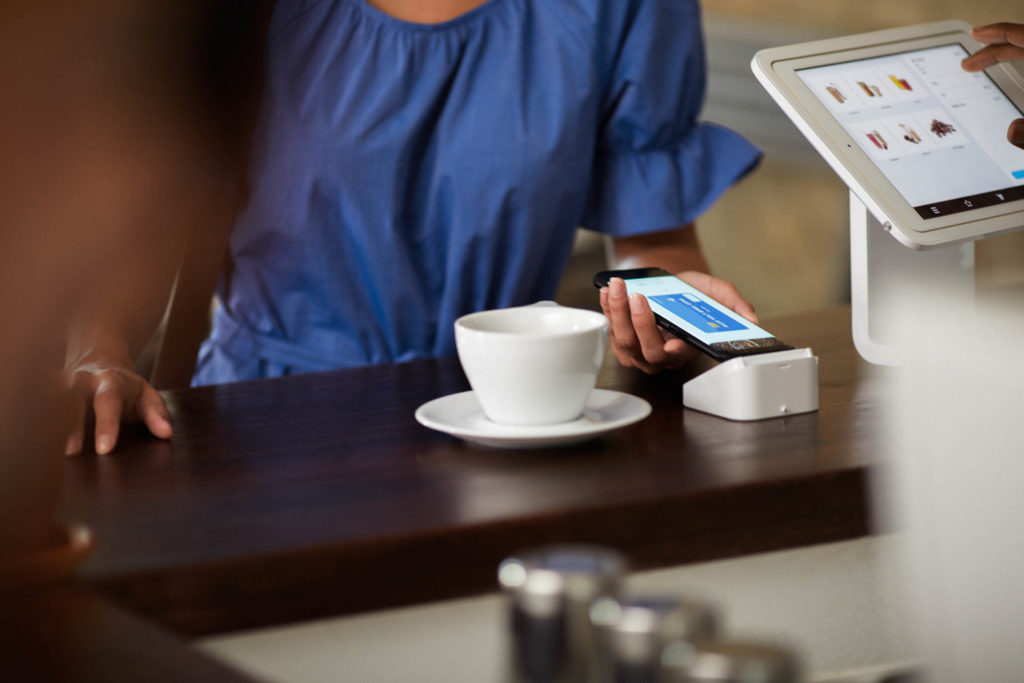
[[318, 495]]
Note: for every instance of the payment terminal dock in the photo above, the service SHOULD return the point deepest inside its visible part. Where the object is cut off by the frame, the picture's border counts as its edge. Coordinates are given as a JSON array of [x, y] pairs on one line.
[[759, 376], [922, 145], [757, 387]]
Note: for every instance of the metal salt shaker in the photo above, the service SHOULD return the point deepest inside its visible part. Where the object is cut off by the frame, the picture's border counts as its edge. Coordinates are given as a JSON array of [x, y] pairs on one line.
[[637, 630], [550, 592], [723, 661]]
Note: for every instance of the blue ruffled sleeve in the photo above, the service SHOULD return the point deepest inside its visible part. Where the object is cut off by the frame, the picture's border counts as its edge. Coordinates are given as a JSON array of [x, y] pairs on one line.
[[656, 166]]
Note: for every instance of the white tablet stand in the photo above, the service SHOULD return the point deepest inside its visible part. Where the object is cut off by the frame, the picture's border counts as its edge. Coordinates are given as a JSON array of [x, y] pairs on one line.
[[890, 283]]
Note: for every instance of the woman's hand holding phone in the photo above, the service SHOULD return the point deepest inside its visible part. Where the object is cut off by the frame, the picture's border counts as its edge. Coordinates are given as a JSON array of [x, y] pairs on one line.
[[636, 338]]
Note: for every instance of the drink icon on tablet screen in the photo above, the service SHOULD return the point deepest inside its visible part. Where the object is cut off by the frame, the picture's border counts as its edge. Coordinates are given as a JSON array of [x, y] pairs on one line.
[[877, 140], [835, 92], [870, 89], [900, 83], [910, 135]]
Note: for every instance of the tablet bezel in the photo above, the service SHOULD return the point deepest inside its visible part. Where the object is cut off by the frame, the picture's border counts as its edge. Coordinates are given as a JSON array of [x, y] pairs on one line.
[[776, 69]]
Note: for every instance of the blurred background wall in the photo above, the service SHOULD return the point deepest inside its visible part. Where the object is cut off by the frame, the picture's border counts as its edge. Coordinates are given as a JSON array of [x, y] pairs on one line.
[[781, 235]]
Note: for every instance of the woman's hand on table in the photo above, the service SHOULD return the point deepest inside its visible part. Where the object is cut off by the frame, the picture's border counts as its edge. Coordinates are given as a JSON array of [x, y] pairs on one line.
[[635, 337], [114, 392], [1003, 42]]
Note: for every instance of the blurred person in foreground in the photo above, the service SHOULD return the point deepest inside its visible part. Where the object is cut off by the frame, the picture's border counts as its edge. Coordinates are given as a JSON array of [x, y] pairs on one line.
[[415, 160], [120, 136], [1004, 42]]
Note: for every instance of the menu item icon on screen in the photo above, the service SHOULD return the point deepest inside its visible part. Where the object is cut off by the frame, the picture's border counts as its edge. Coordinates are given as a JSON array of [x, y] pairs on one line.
[[910, 135], [869, 89], [835, 92], [876, 138], [941, 128], [900, 83]]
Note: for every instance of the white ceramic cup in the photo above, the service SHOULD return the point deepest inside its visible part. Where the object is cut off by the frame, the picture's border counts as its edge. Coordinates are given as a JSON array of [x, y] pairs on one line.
[[532, 365]]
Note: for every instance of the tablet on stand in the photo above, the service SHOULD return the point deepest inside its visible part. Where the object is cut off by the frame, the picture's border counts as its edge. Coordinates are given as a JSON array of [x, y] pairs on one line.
[[921, 144]]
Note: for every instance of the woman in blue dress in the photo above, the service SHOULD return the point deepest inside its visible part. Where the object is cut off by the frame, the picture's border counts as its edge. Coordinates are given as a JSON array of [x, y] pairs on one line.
[[414, 161]]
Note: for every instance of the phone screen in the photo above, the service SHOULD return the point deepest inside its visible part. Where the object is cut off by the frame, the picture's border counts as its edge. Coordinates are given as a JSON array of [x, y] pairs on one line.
[[694, 312]]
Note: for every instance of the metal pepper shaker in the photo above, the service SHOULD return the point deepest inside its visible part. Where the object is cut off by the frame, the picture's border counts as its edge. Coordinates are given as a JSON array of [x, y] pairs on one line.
[[711, 661], [550, 592], [637, 629]]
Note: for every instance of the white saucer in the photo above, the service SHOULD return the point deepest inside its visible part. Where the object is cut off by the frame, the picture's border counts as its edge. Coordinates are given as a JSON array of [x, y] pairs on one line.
[[461, 415]]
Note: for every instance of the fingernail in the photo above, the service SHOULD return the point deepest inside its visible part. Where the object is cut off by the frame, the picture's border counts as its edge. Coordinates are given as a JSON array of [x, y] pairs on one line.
[[1016, 133], [616, 288], [103, 445], [636, 304]]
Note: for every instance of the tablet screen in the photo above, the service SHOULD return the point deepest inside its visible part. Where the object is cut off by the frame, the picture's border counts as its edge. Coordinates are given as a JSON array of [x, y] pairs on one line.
[[935, 131]]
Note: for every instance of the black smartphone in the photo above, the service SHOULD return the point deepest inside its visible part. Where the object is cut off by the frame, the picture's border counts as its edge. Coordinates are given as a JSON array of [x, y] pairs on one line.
[[693, 316]]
